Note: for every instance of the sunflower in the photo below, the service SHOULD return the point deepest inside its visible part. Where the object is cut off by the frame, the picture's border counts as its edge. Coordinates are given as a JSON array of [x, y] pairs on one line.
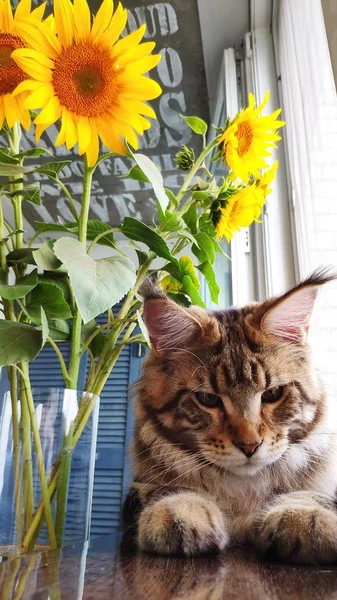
[[83, 74], [12, 108], [241, 208], [246, 140], [263, 183]]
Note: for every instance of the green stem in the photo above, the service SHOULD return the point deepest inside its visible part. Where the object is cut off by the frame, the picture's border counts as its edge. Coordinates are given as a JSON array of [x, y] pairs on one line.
[[12, 377], [112, 338], [69, 197], [75, 355], [100, 236], [27, 461], [196, 166], [17, 202], [39, 455], [62, 486], [109, 363], [61, 360]]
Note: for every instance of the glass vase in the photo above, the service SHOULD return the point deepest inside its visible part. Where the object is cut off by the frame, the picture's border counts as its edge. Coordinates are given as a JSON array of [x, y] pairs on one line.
[[53, 445]]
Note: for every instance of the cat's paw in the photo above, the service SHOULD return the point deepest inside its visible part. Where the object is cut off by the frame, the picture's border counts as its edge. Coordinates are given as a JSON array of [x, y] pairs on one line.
[[183, 523], [301, 534]]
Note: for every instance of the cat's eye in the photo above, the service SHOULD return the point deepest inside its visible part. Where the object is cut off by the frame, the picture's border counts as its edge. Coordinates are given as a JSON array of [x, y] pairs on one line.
[[273, 394], [208, 400]]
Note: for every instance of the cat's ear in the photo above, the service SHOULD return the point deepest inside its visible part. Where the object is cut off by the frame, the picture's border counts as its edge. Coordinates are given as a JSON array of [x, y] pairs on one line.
[[289, 317], [173, 327], [170, 327]]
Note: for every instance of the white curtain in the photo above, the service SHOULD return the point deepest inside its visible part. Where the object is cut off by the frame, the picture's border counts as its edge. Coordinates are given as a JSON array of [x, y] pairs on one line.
[[310, 110]]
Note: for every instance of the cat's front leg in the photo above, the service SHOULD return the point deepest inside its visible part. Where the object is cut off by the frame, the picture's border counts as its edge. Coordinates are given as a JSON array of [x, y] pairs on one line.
[[182, 523], [300, 527]]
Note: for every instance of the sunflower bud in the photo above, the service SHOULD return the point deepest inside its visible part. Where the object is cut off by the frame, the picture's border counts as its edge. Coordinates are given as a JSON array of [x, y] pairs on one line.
[[185, 158]]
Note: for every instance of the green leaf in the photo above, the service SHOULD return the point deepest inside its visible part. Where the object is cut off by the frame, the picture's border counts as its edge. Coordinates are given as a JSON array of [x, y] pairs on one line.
[[32, 193], [173, 200], [196, 124], [21, 256], [33, 153], [19, 289], [138, 231], [93, 230], [200, 195], [137, 174], [10, 235], [207, 270], [206, 249], [53, 169], [46, 227], [97, 227], [45, 257], [143, 329], [179, 298], [142, 257], [170, 221], [20, 342], [154, 176], [51, 298], [59, 330], [97, 284], [192, 291], [97, 343], [7, 158], [187, 268], [58, 279], [191, 218], [11, 170]]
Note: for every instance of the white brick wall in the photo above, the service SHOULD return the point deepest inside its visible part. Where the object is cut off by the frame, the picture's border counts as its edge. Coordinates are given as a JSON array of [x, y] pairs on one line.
[[310, 110]]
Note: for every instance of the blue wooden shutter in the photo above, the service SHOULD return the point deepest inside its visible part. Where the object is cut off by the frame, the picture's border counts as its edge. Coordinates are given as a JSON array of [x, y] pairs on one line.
[[115, 425]]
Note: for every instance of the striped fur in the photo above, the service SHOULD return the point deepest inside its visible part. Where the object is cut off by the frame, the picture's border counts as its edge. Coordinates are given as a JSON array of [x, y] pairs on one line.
[[240, 468]]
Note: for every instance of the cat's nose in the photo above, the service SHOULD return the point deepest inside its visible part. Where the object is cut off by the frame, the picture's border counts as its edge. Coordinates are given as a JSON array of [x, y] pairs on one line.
[[248, 448]]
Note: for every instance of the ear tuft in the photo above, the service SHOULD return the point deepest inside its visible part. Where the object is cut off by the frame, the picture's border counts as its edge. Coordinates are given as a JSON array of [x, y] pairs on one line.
[[170, 327], [289, 317]]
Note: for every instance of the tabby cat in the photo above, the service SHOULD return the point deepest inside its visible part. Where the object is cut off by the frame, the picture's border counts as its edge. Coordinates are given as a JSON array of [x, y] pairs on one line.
[[231, 439]]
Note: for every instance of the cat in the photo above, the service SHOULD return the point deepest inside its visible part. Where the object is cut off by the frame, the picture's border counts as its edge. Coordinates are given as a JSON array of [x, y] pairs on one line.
[[231, 440]]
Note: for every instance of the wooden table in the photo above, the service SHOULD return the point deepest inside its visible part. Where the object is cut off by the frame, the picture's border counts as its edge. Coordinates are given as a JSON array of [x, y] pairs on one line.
[[104, 570]]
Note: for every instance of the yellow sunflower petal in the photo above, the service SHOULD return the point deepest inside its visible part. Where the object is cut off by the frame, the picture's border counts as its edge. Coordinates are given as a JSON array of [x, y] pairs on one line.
[[39, 11], [102, 19], [33, 56], [2, 112], [117, 23], [23, 10], [136, 53], [63, 13], [61, 137], [6, 15], [43, 40], [128, 41], [70, 128], [39, 130], [82, 21], [143, 86], [34, 69], [10, 109], [143, 65], [26, 86], [93, 150], [84, 134], [40, 97], [23, 115], [50, 113], [109, 138]]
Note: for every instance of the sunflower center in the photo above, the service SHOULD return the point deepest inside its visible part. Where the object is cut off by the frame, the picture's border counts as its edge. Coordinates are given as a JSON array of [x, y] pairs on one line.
[[85, 80], [10, 74], [245, 136]]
